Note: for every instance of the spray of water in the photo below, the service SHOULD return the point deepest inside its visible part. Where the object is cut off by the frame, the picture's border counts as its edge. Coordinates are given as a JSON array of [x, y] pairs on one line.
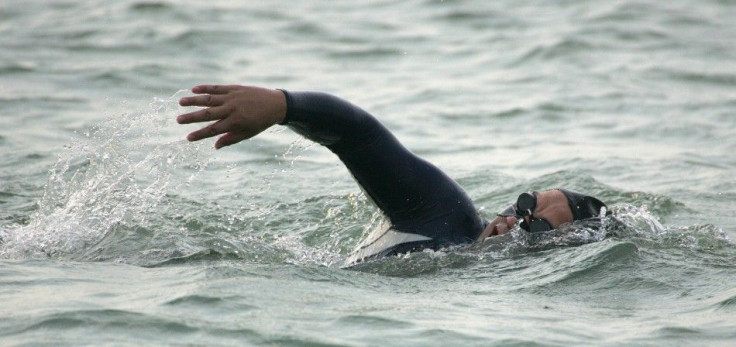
[[115, 173], [637, 223]]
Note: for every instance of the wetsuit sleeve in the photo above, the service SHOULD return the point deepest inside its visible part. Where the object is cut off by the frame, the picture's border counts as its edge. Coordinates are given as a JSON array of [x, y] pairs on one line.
[[411, 192]]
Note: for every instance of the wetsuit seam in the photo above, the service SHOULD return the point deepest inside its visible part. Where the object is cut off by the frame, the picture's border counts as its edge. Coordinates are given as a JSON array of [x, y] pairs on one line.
[[289, 106]]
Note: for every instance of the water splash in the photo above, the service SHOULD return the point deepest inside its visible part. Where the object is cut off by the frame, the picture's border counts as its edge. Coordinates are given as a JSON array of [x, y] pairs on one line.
[[115, 173], [638, 224], [626, 223], [628, 230]]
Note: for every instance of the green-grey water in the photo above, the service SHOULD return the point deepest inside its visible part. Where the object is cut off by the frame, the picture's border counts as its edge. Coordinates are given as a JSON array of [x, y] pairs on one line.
[[115, 230]]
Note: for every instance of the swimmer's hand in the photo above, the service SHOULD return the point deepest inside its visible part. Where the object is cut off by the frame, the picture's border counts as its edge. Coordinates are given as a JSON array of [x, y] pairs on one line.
[[238, 112], [498, 226]]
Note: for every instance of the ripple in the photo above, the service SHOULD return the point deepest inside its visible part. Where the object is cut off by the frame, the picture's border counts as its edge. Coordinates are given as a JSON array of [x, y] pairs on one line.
[[365, 53], [303, 28], [17, 68], [209, 302], [512, 113], [150, 6], [563, 48], [205, 255], [105, 47], [728, 304], [481, 19], [44, 100], [252, 250], [625, 12], [84, 326], [418, 264], [197, 37], [593, 265], [630, 37], [109, 318], [640, 35], [677, 332], [75, 34], [115, 76], [373, 322], [463, 15], [718, 79]]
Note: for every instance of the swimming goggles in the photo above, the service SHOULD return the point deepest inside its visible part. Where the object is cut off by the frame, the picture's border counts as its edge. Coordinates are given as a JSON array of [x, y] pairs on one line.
[[525, 205]]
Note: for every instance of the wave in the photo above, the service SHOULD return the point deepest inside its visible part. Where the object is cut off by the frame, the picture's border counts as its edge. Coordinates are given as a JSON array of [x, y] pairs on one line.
[[583, 267], [83, 326], [151, 6], [727, 304], [559, 49], [17, 68], [722, 79], [195, 300], [42, 100], [365, 52], [480, 19]]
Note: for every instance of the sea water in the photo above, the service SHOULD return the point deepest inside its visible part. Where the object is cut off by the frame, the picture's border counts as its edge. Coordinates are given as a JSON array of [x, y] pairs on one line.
[[115, 230]]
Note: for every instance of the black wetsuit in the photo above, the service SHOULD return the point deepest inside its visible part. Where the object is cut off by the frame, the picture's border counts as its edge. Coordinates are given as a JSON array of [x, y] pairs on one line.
[[415, 195]]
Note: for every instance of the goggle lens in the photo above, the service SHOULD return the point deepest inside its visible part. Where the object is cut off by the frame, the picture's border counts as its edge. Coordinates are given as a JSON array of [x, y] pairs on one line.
[[525, 206]]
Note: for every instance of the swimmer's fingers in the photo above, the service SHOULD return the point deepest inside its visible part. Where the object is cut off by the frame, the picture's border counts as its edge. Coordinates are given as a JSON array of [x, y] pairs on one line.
[[499, 226], [208, 100], [240, 112], [216, 89], [205, 115], [214, 129], [232, 138]]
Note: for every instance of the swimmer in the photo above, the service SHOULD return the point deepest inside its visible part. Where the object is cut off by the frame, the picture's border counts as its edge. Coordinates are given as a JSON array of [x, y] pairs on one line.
[[425, 207]]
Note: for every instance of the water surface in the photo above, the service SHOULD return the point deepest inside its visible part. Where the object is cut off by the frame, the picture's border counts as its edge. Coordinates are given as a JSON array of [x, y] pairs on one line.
[[115, 230]]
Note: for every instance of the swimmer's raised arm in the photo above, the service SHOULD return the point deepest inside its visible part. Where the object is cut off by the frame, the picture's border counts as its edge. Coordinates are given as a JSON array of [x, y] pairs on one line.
[[415, 195], [238, 112], [426, 207]]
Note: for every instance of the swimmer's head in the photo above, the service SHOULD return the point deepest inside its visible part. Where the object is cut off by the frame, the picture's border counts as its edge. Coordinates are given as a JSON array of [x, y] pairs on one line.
[[547, 210]]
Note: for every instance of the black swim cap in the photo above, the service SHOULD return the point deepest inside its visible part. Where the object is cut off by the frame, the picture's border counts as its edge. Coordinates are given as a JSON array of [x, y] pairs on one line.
[[583, 206]]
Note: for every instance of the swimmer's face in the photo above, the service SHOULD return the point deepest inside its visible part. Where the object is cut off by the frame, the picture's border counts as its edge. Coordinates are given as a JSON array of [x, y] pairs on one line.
[[551, 206]]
